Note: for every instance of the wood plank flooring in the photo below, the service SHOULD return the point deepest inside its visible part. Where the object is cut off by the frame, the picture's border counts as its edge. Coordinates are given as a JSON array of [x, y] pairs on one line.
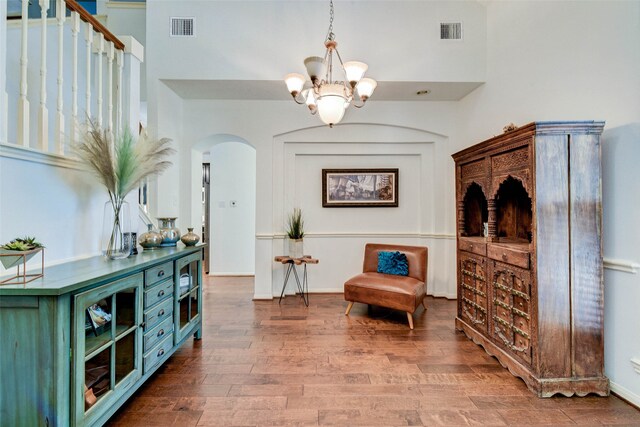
[[264, 364]]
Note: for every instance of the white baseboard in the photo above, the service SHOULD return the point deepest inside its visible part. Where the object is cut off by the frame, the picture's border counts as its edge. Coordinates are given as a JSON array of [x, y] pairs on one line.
[[625, 393], [226, 274]]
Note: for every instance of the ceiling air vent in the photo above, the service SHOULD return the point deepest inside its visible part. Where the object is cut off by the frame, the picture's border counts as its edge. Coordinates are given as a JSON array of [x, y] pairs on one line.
[[451, 31], [183, 27]]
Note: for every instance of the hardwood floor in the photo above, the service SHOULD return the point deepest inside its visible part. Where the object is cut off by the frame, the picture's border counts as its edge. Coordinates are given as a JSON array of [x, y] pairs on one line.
[[260, 363]]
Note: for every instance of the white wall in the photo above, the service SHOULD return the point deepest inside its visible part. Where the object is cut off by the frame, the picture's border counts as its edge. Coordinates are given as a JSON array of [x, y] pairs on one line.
[[130, 19], [60, 205], [233, 227], [279, 130], [565, 61], [264, 40]]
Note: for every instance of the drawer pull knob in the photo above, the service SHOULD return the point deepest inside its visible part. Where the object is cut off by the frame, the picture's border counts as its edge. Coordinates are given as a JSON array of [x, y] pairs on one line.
[[470, 246], [160, 332], [161, 352], [161, 313], [161, 293], [504, 256], [160, 273]]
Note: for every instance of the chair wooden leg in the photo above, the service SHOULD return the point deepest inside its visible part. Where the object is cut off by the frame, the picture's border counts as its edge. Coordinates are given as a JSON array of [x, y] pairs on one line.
[[346, 313], [410, 317], [424, 304]]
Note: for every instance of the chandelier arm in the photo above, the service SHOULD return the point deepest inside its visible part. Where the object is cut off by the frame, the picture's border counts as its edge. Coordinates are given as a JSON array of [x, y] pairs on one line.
[[298, 95]]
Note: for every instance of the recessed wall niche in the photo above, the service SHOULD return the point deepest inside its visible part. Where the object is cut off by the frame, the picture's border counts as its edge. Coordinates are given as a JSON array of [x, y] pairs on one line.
[[514, 213], [475, 211]]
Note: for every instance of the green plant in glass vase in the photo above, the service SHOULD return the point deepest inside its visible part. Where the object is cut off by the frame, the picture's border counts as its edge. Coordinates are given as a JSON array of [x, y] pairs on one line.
[[120, 163]]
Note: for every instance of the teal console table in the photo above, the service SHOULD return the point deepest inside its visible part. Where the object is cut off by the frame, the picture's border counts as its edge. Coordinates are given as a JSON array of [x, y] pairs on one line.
[[77, 343]]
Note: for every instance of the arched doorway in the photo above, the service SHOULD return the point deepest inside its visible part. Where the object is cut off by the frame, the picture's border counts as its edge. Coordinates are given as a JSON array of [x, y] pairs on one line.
[[228, 210]]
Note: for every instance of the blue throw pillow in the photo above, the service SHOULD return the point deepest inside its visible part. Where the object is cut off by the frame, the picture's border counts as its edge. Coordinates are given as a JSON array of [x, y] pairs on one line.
[[393, 263]]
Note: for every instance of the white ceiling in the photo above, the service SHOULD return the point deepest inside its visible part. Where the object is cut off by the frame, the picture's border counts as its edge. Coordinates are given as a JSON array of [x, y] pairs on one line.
[[275, 90]]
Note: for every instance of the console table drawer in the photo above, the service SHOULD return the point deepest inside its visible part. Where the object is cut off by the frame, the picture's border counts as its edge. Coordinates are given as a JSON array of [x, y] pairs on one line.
[[154, 356], [158, 293], [158, 333], [156, 274], [158, 314]]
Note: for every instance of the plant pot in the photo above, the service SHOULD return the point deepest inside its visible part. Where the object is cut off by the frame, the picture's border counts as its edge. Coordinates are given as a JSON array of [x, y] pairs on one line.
[[296, 249], [10, 258]]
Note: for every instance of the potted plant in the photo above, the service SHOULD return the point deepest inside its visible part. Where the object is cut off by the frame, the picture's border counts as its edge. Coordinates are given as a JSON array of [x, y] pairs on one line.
[[295, 232], [19, 250], [120, 163]]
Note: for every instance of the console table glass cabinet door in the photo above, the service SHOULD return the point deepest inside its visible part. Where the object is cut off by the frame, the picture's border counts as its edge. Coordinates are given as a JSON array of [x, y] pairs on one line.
[[106, 351], [188, 304]]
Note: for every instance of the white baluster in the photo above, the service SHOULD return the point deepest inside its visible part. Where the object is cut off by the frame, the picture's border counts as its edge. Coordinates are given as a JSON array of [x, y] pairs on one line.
[[60, 12], [73, 124], [23, 102], [120, 63], [43, 113], [100, 82], [89, 38], [110, 55]]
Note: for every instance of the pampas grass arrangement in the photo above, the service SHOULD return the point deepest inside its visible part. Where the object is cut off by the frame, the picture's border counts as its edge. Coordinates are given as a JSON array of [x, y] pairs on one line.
[[120, 164]]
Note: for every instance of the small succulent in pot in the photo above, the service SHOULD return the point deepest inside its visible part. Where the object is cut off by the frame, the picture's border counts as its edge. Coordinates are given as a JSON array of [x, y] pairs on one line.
[[22, 244]]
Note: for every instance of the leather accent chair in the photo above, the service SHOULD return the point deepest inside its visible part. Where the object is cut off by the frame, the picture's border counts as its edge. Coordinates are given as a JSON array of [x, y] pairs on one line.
[[404, 293]]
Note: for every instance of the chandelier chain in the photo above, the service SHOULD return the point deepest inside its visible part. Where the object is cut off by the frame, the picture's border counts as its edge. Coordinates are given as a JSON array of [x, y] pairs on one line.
[[330, 34]]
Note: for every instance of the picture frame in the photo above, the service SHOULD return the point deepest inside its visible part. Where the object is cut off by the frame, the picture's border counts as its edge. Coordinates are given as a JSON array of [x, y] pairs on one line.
[[360, 188]]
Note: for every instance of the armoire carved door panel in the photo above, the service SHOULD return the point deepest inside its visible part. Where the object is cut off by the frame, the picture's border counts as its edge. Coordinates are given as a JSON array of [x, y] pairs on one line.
[[473, 305], [511, 309]]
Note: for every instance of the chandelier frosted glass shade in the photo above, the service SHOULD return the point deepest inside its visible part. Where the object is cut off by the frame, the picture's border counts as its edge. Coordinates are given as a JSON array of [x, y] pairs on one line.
[[325, 95], [295, 82], [366, 87], [331, 103], [316, 67], [354, 71]]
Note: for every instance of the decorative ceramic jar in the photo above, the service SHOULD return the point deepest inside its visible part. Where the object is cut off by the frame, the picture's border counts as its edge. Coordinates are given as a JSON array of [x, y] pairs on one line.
[[169, 231], [151, 239], [191, 238]]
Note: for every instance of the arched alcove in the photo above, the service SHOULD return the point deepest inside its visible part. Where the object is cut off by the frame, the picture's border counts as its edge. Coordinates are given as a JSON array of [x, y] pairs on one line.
[[475, 210], [513, 212]]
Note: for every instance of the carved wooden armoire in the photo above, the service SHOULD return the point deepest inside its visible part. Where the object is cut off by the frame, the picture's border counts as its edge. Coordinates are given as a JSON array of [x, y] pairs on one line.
[[529, 220]]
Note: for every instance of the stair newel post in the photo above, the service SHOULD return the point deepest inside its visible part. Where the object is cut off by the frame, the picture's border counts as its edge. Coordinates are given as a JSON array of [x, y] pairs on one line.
[[110, 56], [73, 124], [120, 65], [60, 16], [3, 76], [43, 113], [89, 40], [100, 65], [23, 102]]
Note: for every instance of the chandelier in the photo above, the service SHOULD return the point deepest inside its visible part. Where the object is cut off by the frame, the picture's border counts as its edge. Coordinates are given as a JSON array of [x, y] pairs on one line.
[[324, 95]]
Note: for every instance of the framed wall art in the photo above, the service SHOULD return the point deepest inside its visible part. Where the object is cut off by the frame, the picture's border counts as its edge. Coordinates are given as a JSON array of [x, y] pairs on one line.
[[355, 188]]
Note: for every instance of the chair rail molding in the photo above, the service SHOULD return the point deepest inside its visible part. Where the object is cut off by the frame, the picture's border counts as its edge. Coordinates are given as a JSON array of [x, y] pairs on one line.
[[626, 266], [368, 234]]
